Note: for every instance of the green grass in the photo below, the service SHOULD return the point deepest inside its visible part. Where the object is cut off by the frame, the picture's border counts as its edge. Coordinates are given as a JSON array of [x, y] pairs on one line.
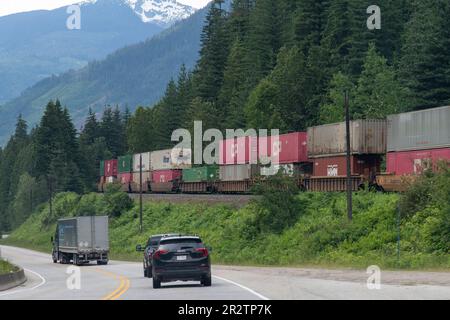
[[321, 235], [6, 267]]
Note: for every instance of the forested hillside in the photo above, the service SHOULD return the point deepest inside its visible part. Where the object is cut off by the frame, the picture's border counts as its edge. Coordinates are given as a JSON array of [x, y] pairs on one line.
[[133, 75], [266, 64], [286, 64]]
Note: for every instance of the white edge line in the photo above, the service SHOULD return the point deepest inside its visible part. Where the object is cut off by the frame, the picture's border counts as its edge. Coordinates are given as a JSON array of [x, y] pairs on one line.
[[43, 281], [243, 287]]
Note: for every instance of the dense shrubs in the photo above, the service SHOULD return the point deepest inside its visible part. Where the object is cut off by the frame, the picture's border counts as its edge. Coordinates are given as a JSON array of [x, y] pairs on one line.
[[116, 201], [278, 206], [317, 234]]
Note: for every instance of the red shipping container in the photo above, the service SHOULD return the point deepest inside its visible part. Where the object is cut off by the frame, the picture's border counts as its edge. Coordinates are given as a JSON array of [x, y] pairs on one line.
[[290, 148], [243, 150], [111, 168], [366, 165], [164, 176], [414, 162], [125, 178]]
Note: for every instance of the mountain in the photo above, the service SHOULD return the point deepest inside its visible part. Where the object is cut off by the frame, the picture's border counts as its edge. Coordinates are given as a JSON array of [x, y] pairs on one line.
[[38, 44], [134, 75], [160, 12]]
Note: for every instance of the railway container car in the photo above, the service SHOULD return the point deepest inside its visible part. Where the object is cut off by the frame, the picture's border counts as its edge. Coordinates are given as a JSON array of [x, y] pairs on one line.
[[361, 165], [136, 181], [102, 168], [111, 168], [242, 150], [415, 162], [125, 179], [125, 164], [367, 137], [146, 164], [201, 174], [166, 180], [163, 176], [237, 178], [291, 169], [171, 159], [200, 179], [238, 172], [286, 148], [135, 184], [426, 129], [331, 184]]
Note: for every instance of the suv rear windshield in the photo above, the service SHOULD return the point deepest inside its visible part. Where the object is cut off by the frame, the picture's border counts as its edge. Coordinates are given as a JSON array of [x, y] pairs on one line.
[[180, 244], [154, 241]]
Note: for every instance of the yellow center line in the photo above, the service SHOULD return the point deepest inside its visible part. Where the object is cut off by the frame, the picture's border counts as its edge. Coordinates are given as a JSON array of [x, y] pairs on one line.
[[121, 289]]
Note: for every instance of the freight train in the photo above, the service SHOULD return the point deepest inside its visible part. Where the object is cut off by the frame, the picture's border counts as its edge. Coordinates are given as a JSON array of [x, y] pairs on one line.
[[407, 143]]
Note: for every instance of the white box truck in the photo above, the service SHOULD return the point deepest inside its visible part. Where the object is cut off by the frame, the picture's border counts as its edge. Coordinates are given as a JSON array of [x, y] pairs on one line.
[[80, 240]]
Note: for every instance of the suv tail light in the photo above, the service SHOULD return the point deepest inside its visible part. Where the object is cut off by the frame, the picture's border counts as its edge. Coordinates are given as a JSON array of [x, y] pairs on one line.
[[203, 251], [157, 254]]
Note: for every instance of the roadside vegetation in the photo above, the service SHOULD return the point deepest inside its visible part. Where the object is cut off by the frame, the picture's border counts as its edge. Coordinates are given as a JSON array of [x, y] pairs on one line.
[[307, 229], [6, 267]]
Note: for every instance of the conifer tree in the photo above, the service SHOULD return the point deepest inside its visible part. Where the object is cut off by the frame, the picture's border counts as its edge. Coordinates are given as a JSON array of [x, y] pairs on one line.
[[424, 63], [378, 92], [213, 54], [264, 37]]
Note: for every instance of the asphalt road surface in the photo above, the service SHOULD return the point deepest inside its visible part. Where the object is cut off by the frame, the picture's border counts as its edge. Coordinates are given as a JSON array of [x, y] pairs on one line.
[[124, 281]]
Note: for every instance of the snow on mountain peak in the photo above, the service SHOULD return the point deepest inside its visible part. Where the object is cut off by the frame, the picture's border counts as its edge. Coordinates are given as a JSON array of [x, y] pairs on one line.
[[162, 12]]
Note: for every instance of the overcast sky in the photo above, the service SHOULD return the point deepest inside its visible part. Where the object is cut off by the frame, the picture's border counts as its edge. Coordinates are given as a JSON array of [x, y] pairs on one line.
[[13, 6]]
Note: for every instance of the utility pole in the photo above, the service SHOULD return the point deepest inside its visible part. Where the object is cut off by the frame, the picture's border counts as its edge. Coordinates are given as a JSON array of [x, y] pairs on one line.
[[349, 173], [50, 188], [140, 193], [398, 235]]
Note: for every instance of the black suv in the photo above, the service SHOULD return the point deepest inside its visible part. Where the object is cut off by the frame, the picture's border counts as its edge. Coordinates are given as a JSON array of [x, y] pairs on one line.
[[182, 258], [149, 249]]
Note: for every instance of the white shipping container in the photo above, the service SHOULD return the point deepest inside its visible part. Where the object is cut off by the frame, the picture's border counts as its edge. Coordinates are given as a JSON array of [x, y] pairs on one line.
[[287, 169], [238, 172], [146, 165], [171, 159], [419, 130]]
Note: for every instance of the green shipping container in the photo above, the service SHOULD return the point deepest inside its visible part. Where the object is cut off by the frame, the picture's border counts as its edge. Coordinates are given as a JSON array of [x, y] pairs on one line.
[[102, 168], [201, 174], [125, 164]]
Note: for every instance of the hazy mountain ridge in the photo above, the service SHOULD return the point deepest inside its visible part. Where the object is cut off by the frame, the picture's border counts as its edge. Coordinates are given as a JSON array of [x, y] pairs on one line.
[[37, 44], [134, 75]]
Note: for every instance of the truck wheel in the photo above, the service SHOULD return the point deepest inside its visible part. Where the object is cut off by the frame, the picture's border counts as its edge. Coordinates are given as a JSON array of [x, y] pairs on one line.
[[145, 270], [206, 281], [156, 283]]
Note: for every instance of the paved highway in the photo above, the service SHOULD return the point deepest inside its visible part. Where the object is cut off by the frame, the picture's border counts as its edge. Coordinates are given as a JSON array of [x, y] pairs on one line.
[[118, 280], [124, 280]]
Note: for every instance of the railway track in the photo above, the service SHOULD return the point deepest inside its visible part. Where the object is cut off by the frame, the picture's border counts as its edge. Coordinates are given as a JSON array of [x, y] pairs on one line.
[[210, 199]]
